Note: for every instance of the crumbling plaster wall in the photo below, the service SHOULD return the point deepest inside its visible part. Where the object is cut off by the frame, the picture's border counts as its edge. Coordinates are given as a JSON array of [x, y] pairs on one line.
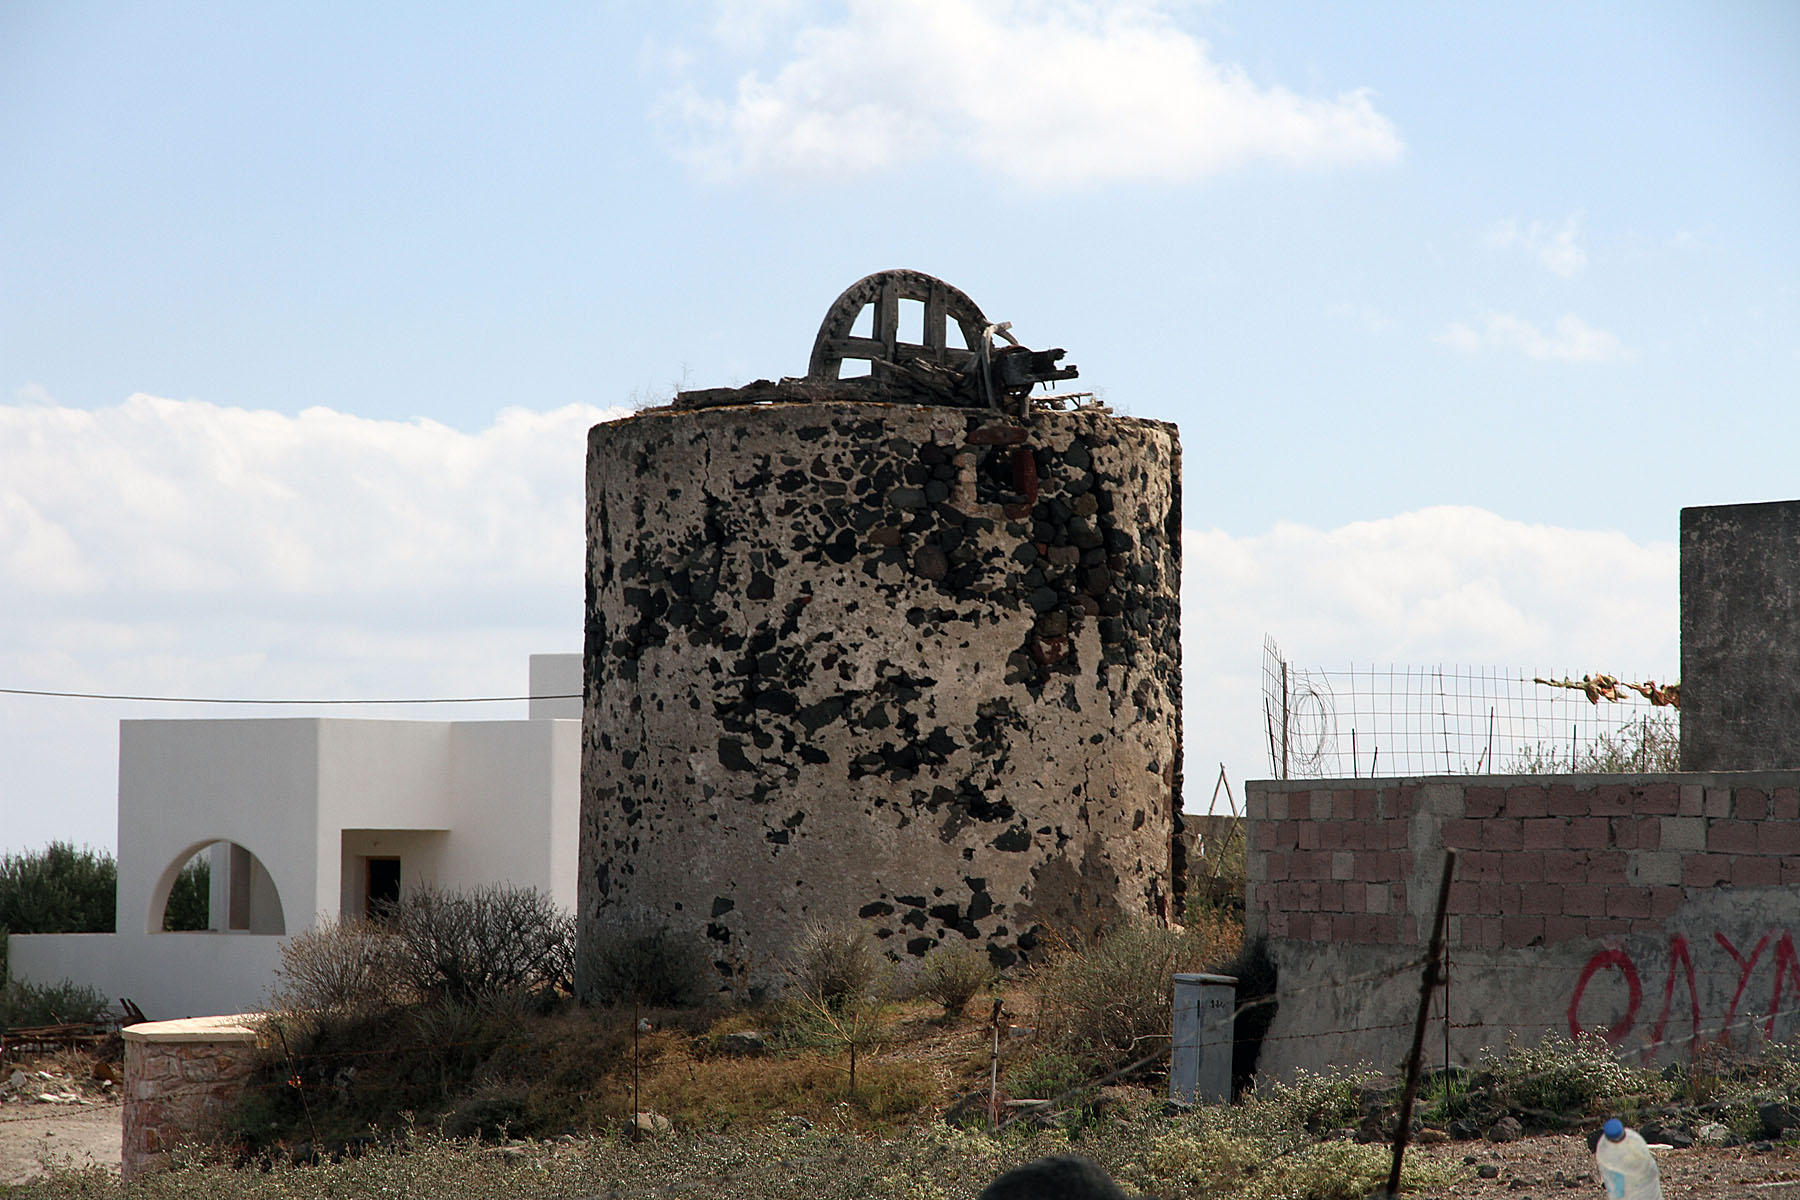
[[1657, 911], [915, 665]]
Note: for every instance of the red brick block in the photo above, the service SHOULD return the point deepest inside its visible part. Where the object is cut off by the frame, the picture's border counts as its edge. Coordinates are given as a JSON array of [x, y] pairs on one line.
[[1755, 870], [1611, 800], [1565, 866], [1642, 925], [1523, 867], [1659, 799], [1501, 833], [1299, 806], [1321, 927], [1542, 900], [1777, 837], [1605, 927], [1784, 804], [1564, 929], [1584, 899], [1331, 835], [1368, 928], [1343, 927], [1494, 897], [1479, 865], [1398, 888], [1398, 803], [1277, 865], [1731, 837], [1527, 800], [1331, 896], [1650, 833], [1403, 863], [1790, 871], [1693, 800], [1277, 924], [1705, 870], [1353, 896], [1465, 897], [1490, 933], [1483, 802], [1343, 806], [1627, 901], [1545, 833], [1266, 837], [1399, 836], [1750, 804], [1366, 806], [1666, 901], [1521, 931], [1462, 834], [1563, 800], [1718, 802], [1608, 866], [1306, 834], [1588, 833]]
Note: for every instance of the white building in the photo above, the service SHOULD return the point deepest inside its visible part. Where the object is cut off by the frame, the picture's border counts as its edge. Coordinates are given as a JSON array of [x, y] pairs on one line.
[[311, 818]]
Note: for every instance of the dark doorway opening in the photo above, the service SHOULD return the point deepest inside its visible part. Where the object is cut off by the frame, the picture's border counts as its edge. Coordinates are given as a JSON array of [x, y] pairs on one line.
[[384, 886]]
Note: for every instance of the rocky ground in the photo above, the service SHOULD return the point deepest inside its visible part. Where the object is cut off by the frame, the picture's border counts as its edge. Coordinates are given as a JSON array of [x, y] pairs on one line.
[[1539, 1168]]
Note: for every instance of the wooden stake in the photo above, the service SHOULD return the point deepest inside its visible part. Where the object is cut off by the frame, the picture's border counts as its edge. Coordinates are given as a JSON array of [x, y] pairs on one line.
[[1433, 959]]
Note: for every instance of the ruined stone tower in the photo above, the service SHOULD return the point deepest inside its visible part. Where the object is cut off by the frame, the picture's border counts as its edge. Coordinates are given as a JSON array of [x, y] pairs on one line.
[[853, 657]]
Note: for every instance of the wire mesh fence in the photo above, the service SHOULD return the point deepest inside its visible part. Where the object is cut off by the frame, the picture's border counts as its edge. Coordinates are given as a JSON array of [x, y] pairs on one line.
[[1365, 721]]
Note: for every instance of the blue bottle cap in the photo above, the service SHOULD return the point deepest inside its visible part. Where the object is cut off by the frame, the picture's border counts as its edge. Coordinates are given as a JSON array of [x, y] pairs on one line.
[[1614, 1130]]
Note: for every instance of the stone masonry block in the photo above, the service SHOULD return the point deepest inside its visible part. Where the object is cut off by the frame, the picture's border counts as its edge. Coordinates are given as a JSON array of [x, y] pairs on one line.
[[1784, 804], [1778, 837], [1480, 803], [1256, 806], [1564, 800], [1522, 867], [1527, 800], [1584, 899], [1501, 833], [1278, 806], [1718, 802], [1705, 870], [1655, 868], [1564, 929], [1376, 898], [1588, 833], [1343, 864], [1693, 800], [1750, 804], [1683, 833], [1544, 833], [1731, 837], [1544, 900], [1755, 870]]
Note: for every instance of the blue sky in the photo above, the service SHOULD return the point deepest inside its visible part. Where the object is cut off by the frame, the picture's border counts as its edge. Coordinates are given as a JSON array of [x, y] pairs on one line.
[[303, 308]]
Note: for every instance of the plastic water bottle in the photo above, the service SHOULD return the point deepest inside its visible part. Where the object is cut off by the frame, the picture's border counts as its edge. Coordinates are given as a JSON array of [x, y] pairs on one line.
[[1627, 1167]]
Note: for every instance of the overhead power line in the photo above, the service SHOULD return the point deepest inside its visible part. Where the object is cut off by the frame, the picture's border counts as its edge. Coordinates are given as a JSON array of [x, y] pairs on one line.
[[248, 700]]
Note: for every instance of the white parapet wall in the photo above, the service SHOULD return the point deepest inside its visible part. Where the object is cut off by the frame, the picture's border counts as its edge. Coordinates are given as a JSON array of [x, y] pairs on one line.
[[169, 975]]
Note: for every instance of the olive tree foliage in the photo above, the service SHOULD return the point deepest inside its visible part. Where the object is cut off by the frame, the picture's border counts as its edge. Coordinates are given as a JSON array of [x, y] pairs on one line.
[[59, 889]]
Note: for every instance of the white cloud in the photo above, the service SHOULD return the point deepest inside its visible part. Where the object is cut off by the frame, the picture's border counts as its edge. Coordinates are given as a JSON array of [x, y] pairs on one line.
[[1437, 587], [1043, 91], [1556, 248], [1571, 340]]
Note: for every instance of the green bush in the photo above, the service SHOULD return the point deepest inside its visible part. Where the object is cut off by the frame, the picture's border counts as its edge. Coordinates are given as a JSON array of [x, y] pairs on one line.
[[952, 975], [27, 1005], [1557, 1080], [651, 966], [190, 900]]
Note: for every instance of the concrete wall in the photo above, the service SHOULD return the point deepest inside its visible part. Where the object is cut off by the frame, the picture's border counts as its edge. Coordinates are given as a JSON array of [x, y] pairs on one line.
[[1653, 910], [915, 665], [1740, 637]]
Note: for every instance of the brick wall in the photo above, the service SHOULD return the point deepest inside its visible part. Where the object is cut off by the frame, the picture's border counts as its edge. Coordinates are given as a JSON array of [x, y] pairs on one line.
[[180, 1077], [1656, 909]]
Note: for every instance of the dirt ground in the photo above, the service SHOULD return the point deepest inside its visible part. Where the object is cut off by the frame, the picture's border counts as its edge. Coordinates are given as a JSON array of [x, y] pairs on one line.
[[34, 1136], [1543, 1167]]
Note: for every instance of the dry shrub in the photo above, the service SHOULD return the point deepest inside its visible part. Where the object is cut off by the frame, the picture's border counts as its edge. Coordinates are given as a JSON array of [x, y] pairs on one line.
[[343, 966], [653, 966], [835, 964], [1112, 1001], [481, 945], [952, 975]]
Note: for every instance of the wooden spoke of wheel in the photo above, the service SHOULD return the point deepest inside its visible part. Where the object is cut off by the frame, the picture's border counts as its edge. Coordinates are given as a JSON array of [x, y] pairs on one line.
[[885, 290]]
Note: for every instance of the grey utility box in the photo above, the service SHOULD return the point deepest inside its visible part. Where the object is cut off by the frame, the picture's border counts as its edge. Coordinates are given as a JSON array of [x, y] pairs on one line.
[[1200, 1053]]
